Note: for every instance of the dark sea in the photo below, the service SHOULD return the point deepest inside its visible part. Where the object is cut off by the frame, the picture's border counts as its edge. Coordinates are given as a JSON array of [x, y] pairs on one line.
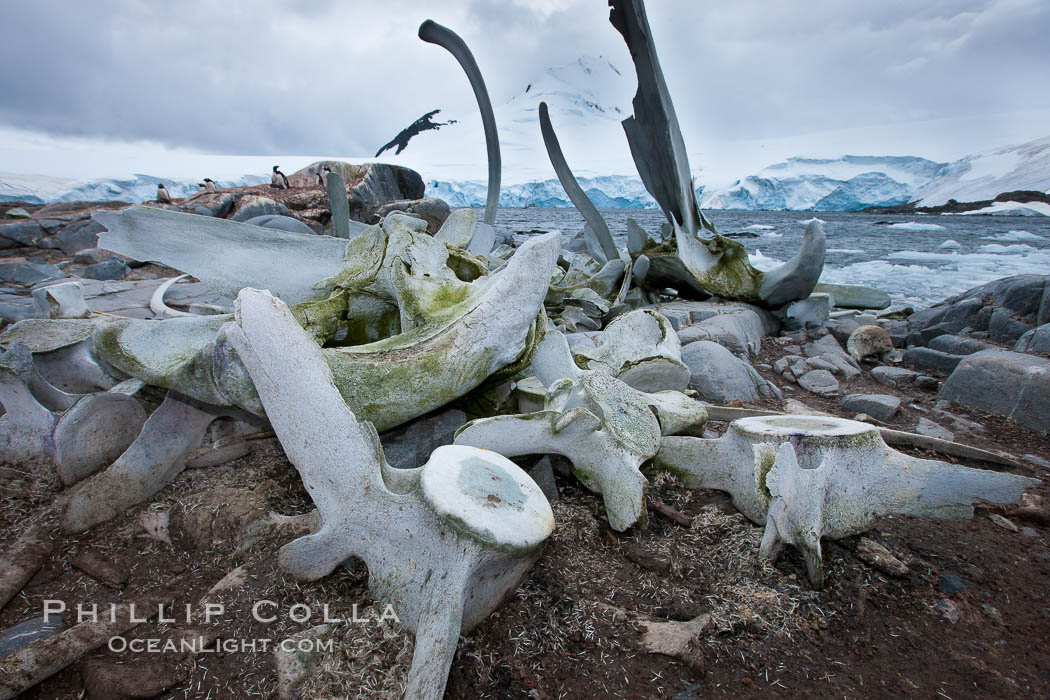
[[918, 259]]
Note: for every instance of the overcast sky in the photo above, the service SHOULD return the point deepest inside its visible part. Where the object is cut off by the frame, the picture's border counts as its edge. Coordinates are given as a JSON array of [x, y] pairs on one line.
[[331, 76]]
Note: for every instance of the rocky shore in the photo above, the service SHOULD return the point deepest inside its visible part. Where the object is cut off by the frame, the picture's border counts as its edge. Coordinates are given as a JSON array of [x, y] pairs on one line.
[[907, 607]]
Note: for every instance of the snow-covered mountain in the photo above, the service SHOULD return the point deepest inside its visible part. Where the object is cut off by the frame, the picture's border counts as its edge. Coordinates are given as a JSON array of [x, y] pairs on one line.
[[137, 188], [985, 175], [587, 99], [840, 184]]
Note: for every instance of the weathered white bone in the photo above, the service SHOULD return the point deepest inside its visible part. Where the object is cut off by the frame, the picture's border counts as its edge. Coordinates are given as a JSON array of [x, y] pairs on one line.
[[457, 334], [64, 300], [458, 229], [433, 33], [443, 543], [641, 349], [156, 302], [604, 427], [44, 658], [606, 249], [75, 434], [21, 560], [718, 266], [808, 477], [225, 255], [150, 462]]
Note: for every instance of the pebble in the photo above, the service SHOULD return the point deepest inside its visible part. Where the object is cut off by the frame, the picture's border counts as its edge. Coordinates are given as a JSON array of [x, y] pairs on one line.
[[1037, 461], [1002, 522], [928, 428], [819, 381], [876, 555], [951, 584], [948, 609], [1029, 532]]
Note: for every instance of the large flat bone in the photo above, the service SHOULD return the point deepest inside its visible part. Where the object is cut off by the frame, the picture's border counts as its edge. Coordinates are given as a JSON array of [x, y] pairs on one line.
[[225, 255], [812, 477], [443, 543]]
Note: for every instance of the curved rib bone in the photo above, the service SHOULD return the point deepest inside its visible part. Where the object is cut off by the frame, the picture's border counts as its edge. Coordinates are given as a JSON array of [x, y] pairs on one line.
[[579, 198], [808, 477], [456, 536], [156, 302], [718, 266], [433, 33], [604, 427]]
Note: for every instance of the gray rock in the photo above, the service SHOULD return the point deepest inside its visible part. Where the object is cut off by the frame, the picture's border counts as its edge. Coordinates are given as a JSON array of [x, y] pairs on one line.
[[431, 209], [409, 446], [1008, 384], [30, 273], [543, 474], [25, 633], [216, 204], [819, 381], [881, 407], [897, 377], [950, 584], [112, 269], [828, 349], [1036, 340], [79, 236], [23, 233], [927, 427], [253, 206], [929, 360], [805, 313], [957, 345], [842, 327], [925, 381], [91, 256], [720, 376], [280, 222], [17, 213], [1004, 309], [854, 296], [1004, 327]]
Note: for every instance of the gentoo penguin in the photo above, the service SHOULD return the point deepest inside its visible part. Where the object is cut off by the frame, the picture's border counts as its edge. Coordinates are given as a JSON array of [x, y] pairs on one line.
[[322, 178], [209, 184], [162, 194], [278, 179], [202, 186]]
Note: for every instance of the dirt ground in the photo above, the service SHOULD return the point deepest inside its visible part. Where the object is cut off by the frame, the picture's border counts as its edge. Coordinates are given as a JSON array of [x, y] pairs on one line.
[[574, 628], [971, 618]]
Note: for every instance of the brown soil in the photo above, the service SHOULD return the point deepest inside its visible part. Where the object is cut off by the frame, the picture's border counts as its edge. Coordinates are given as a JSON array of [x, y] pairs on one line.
[[573, 628]]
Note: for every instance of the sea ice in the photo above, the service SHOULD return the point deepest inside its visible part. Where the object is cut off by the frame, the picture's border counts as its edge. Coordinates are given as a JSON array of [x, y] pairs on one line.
[[915, 226]]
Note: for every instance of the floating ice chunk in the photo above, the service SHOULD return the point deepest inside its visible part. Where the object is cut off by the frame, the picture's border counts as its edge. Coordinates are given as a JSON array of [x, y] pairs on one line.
[[848, 251], [1009, 249], [763, 262], [916, 226], [950, 244], [1014, 209], [760, 227], [1015, 237]]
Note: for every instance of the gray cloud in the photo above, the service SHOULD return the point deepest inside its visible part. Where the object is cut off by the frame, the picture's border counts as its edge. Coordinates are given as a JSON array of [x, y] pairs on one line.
[[343, 77]]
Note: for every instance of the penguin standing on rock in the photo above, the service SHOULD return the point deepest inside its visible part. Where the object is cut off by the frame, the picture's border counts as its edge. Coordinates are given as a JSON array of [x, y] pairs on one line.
[[278, 179], [209, 184], [162, 194], [322, 178]]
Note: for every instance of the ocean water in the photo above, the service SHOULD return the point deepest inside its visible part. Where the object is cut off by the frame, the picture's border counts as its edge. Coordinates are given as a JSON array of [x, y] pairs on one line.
[[919, 260]]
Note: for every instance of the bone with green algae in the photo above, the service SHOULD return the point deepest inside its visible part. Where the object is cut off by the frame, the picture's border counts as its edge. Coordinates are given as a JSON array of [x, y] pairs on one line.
[[444, 543], [688, 264], [458, 333], [812, 477], [641, 349], [604, 427], [74, 434]]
